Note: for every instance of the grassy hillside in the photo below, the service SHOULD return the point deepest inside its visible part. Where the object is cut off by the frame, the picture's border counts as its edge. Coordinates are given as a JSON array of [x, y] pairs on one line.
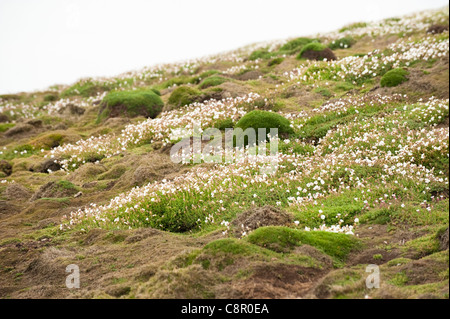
[[86, 176]]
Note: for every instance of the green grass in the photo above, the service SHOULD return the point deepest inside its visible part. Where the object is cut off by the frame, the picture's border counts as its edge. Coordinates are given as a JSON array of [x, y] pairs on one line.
[[48, 141], [394, 77], [131, 103]]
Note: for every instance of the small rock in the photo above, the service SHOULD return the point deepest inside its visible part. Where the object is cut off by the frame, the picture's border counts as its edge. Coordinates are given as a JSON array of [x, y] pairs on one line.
[[19, 129], [5, 167], [79, 194]]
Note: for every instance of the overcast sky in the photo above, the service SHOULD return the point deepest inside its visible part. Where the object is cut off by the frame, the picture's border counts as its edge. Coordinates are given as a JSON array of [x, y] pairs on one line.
[[45, 42]]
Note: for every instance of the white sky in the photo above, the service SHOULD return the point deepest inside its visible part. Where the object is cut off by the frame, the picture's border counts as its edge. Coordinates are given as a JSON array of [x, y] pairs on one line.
[[48, 42]]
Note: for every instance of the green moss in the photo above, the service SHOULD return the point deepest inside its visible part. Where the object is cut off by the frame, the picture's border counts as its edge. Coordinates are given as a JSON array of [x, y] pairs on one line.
[[394, 77], [398, 262], [344, 86], [314, 46], [264, 119], [114, 173], [377, 257], [85, 88], [6, 126], [353, 26], [284, 239], [131, 103], [48, 141], [208, 73], [296, 45], [342, 43], [184, 95], [50, 97], [212, 81]]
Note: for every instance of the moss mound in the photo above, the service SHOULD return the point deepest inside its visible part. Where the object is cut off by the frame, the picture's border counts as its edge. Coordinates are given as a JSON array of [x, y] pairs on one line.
[[264, 119], [184, 95], [394, 77], [131, 104]]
